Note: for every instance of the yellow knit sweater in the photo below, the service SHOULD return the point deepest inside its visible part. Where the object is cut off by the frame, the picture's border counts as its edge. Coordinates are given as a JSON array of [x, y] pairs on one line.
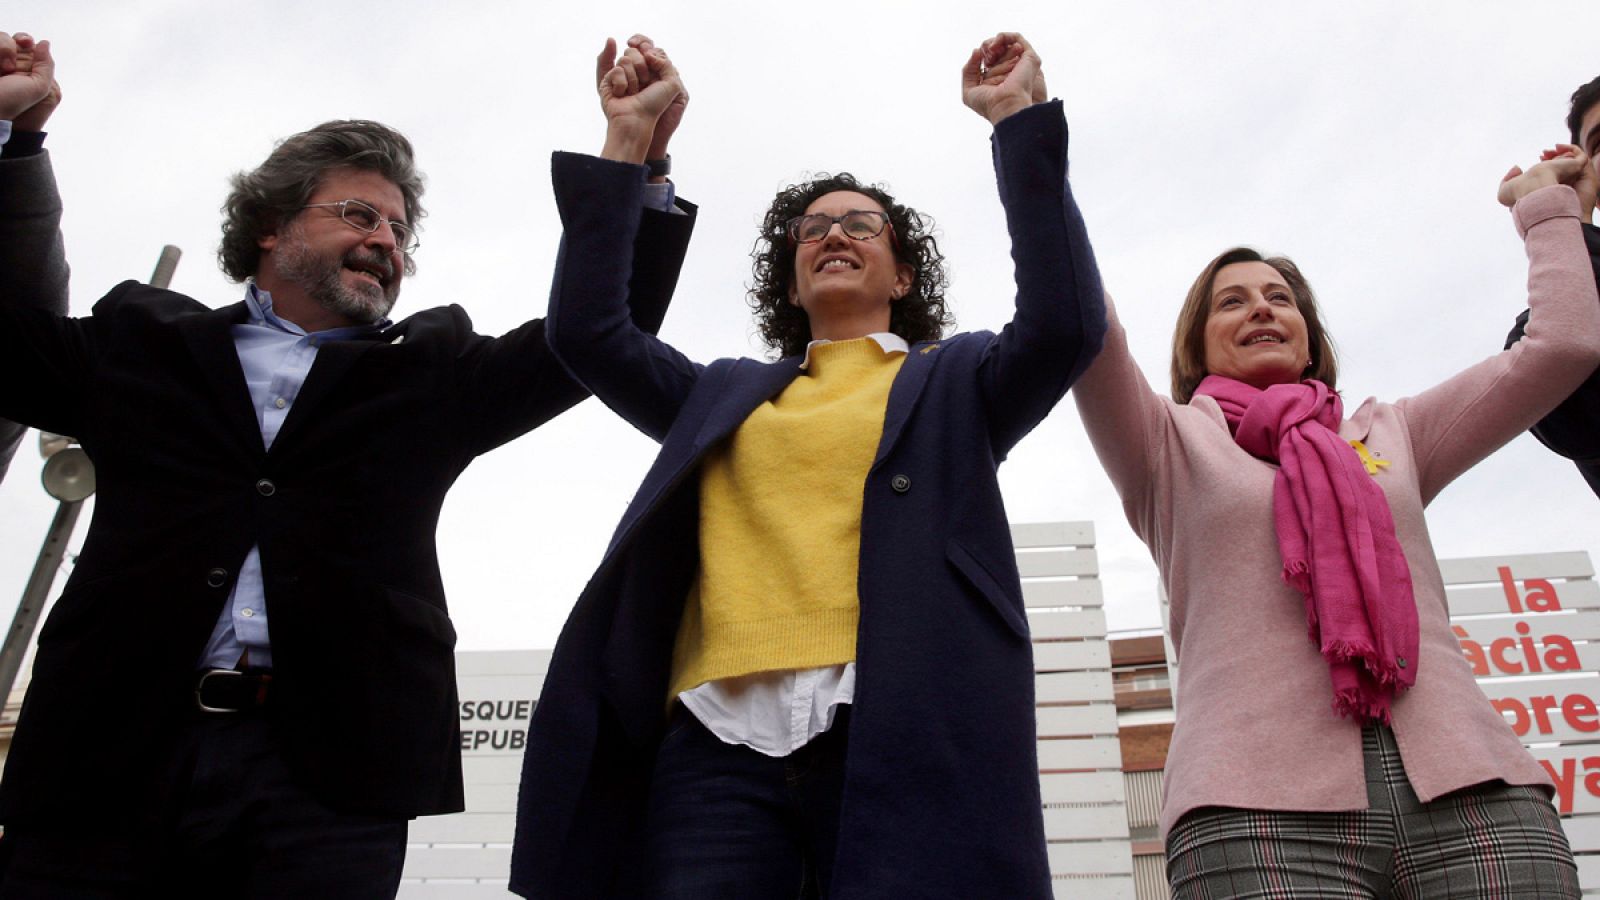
[[780, 524]]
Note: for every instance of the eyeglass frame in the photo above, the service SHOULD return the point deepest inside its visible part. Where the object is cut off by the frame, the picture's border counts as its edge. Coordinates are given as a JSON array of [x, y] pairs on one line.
[[381, 220], [888, 225]]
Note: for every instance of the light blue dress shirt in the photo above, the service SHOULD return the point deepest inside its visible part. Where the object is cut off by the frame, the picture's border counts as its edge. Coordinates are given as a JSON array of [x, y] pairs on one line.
[[276, 356]]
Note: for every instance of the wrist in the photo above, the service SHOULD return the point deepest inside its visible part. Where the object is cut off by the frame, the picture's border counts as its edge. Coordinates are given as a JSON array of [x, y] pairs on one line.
[[1001, 111], [627, 141], [1535, 184]]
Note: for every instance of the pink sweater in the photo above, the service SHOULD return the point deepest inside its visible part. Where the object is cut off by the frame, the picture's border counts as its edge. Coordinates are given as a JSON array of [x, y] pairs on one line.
[[1255, 725]]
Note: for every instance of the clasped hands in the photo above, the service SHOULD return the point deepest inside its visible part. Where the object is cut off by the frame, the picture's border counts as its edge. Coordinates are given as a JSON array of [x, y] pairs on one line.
[[643, 97], [28, 89], [1562, 164]]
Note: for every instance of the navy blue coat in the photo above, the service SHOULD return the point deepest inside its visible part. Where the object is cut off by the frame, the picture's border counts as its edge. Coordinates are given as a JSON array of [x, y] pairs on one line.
[[941, 793]]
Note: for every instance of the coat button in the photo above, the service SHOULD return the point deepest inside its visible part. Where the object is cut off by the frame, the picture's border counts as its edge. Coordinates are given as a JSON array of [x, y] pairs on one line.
[[266, 488], [217, 577], [900, 483], [1400, 661]]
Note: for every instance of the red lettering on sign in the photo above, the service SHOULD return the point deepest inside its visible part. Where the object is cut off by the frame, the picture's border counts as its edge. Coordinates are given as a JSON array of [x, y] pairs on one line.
[[1541, 596], [1563, 780], [1519, 713], [1497, 651], [1566, 778], [1541, 712], [1578, 711], [1518, 655]]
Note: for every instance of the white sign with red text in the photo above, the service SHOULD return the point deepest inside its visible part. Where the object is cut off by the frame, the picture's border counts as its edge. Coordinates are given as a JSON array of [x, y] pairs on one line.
[[1534, 644]]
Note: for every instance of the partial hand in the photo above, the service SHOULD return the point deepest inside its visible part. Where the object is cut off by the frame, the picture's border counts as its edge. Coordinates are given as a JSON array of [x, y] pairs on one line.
[[667, 125], [1565, 164], [28, 89], [1588, 183], [636, 90], [1002, 76]]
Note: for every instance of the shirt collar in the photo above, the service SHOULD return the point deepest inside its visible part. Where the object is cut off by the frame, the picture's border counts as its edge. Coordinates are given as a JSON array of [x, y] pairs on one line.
[[259, 302], [887, 341]]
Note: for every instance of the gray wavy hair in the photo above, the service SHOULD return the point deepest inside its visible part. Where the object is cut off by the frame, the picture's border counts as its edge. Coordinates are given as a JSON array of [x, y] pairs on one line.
[[263, 199]]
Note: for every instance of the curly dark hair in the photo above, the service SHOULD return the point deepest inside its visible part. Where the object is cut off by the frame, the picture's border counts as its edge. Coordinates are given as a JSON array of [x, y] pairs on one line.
[[921, 315], [272, 193]]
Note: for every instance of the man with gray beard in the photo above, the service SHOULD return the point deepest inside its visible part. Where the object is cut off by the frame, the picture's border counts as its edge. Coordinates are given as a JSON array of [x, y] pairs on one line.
[[247, 687]]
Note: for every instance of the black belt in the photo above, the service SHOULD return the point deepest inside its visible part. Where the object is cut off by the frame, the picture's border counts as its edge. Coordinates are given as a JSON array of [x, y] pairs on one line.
[[232, 691]]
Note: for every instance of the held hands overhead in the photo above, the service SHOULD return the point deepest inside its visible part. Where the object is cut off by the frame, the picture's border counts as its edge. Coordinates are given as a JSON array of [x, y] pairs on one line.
[[644, 100], [642, 97], [1563, 164], [28, 89], [1002, 76]]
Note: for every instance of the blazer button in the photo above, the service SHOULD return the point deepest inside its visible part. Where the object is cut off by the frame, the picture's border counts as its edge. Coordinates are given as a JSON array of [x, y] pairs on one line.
[[900, 483], [217, 577], [266, 488]]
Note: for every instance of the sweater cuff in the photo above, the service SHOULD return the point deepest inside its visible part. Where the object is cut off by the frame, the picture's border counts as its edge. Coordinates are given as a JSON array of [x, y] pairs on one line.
[[1550, 202]]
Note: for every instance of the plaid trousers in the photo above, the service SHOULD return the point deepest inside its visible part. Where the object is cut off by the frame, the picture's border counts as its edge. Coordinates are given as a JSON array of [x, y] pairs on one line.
[[1489, 840]]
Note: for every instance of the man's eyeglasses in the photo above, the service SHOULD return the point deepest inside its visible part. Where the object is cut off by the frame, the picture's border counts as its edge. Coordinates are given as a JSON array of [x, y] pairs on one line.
[[362, 217], [857, 224]]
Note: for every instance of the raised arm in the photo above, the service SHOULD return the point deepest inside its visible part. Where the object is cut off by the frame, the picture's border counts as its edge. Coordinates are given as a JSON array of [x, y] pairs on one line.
[[1127, 422], [1059, 322], [33, 265], [601, 201], [1573, 428], [1469, 416]]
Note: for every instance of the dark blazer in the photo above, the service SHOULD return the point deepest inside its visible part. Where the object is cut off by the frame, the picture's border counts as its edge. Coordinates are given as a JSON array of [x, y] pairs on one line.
[[35, 261], [344, 508], [941, 794], [1573, 428]]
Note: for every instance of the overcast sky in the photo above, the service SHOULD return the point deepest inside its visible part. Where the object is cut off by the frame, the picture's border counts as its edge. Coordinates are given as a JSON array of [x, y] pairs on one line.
[[1364, 139]]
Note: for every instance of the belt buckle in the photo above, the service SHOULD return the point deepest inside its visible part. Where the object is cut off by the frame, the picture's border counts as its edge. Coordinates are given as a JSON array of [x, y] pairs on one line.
[[199, 688]]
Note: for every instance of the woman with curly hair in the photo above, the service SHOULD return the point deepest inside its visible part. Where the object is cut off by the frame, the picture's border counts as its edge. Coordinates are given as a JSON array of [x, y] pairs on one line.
[[803, 666], [918, 314]]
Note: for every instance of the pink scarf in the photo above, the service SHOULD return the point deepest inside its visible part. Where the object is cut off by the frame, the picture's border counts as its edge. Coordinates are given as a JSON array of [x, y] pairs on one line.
[[1337, 539]]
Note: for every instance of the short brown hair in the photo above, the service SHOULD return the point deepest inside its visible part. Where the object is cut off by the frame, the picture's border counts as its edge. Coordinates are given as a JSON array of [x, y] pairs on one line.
[[1189, 338]]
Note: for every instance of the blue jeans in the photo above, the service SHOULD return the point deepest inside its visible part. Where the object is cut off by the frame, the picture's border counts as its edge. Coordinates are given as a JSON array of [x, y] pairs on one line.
[[727, 822]]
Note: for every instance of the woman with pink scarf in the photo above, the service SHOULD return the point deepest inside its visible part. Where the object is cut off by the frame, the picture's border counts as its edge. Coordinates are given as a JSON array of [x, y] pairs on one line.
[[1363, 761]]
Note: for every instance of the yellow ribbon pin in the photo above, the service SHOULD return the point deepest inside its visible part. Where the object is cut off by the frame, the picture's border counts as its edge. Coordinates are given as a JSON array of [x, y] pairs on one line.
[[1370, 462]]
